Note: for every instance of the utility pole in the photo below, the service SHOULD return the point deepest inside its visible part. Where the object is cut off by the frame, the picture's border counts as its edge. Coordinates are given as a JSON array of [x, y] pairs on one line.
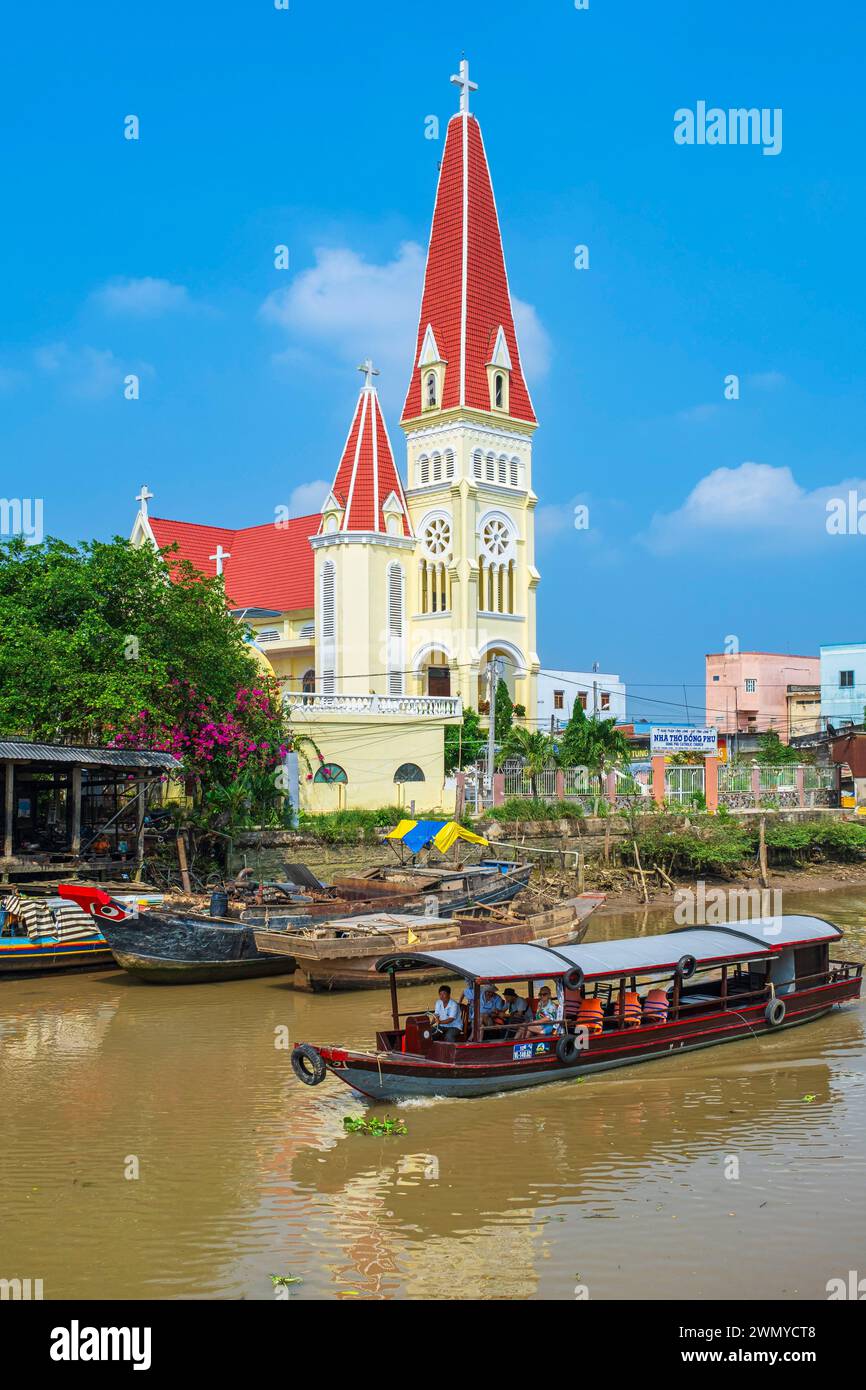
[[595, 692], [493, 677]]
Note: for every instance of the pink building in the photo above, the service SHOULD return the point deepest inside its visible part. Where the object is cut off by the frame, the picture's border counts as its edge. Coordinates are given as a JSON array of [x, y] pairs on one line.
[[748, 692]]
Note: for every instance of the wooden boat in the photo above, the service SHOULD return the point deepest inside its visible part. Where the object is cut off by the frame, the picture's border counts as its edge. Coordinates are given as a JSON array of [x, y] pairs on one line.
[[170, 948], [712, 985], [434, 890], [45, 934], [344, 954]]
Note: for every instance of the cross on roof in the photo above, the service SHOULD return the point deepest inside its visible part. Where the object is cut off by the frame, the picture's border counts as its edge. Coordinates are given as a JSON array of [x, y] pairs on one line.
[[219, 556], [369, 372], [144, 497], [462, 80]]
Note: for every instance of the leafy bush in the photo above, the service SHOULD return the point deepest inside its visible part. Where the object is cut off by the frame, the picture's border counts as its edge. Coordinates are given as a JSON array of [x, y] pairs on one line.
[[526, 808], [334, 826]]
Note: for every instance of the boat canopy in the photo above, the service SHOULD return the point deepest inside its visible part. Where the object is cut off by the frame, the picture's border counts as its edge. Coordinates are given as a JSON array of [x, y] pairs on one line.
[[418, 834], [631, 955]]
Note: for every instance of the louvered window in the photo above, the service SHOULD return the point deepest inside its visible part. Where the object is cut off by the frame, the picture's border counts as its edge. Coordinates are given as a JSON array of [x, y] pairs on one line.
[[395, 629], [424, 468], [449, 463], [328, 619], [478, 464]]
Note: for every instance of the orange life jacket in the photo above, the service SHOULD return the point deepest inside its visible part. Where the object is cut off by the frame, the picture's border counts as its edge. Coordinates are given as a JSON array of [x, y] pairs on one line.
[[655, 1006], [590, 1015], [633, 1013]]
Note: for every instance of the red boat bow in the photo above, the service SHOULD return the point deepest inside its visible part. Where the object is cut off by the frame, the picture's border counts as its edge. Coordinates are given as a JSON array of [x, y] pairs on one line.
[[95, 901]]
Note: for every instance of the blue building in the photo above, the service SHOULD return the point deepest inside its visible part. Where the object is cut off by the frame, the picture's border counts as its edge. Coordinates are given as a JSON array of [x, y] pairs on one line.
[[843, 683]]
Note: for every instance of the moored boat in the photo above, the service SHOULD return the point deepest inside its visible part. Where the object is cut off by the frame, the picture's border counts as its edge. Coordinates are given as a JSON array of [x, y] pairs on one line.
[[344, 954], [46, 934], [175, 948], [618, 1002]]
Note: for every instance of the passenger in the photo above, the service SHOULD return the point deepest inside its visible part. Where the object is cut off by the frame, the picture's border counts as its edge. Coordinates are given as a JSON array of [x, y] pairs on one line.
[[492, 1005], [449, 1020], [655, 1006], [546, 1013], [517, 1011]]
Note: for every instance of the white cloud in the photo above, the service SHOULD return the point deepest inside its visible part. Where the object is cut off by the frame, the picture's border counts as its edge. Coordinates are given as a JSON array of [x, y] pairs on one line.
[[766, 381], [308, 498], [698, 414], [354, 309], [86, 373], [755, 500], [143, 298]]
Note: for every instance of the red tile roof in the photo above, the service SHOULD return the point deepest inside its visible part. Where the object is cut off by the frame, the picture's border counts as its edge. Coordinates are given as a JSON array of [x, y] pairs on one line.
[[367, 474], [465, 321], [268, 566]]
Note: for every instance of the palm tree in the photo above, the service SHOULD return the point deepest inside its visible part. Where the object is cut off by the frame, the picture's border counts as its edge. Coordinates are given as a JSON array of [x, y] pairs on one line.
[[534, 749]]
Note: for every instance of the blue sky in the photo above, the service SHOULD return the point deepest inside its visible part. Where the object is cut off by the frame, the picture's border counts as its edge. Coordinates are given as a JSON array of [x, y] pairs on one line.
[[306, 127]]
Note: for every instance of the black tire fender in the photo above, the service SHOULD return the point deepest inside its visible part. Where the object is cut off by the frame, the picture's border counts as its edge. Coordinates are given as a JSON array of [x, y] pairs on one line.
[[308, 1064], [775, 1012], [686, 967], [573, 978], [568, 1049]]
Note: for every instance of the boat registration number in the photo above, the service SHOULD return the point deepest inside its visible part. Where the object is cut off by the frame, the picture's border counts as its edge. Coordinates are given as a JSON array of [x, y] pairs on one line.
[[522, 1052]]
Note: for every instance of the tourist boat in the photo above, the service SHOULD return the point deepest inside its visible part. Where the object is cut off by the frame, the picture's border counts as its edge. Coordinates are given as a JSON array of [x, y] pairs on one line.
[[46, 934], [619, 1002], [344, 954]]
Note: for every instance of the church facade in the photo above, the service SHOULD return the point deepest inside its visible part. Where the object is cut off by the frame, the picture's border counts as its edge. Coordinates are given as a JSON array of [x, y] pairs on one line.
[[382, 614]]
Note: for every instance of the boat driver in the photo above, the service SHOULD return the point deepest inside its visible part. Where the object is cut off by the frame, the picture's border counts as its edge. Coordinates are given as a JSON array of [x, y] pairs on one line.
[[449, 1022]]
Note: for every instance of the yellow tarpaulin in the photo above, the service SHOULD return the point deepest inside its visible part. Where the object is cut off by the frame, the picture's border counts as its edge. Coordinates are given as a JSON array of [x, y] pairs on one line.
[[441, 834], [451, 832]]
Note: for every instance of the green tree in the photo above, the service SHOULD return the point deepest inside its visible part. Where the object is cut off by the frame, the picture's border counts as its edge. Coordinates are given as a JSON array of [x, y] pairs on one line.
[[594, 743], [533, 748], [464, 743], [772, 752], [504, 712], [97, 647]]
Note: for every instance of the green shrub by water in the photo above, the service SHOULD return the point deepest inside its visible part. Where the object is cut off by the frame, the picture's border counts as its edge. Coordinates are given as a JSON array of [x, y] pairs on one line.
[[723, 845], [525, 808]]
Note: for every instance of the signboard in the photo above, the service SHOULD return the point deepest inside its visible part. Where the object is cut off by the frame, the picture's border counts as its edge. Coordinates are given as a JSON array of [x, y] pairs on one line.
[[684, 740]]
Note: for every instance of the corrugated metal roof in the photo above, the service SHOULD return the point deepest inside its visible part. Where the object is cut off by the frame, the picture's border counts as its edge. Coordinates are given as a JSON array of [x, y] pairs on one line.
[[20, 751], [629, 955]]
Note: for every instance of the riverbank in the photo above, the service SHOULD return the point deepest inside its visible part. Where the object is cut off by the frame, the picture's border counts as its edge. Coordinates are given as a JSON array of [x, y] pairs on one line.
[[626, 894]]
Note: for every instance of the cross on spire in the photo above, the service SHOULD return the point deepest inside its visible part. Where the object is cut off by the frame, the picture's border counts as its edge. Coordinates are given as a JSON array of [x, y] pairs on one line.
[[144, 497], [369, 372], [462, 80], [219, 556]]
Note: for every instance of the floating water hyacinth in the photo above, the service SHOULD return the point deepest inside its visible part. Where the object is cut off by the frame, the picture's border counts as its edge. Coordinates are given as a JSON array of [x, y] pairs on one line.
[[360, 1124]]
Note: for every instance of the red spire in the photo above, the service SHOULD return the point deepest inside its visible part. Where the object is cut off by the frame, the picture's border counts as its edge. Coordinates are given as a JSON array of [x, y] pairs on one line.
[[466, 299], [367, 476]]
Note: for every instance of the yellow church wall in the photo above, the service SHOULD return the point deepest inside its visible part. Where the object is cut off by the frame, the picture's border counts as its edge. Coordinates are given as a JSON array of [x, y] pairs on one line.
[[370, 752]]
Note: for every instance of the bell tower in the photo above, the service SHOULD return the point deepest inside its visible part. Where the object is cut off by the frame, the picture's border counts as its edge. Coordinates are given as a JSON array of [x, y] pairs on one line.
[[469, 421]]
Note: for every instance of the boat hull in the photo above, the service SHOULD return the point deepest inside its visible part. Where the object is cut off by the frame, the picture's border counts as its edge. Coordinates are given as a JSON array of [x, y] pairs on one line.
[[395, 1077], [155, 970], [21, 956]]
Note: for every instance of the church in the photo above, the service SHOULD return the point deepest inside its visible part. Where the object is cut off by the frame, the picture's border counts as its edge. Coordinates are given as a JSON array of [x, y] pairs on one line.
[[382, 614]]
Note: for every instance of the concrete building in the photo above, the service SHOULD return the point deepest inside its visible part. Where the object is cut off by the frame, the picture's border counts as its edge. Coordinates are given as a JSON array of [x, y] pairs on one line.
[[598, 692], [843, 683], [748, 692]]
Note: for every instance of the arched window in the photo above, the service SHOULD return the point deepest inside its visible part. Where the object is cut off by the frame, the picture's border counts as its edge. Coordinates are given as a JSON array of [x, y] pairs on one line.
[[395, 629], [437, 468], [449, 463], [490, 468], [499, 391], [478, 464], [424, 469], [515, 472], [409, 772], [330, 772], [309, 683], [503, 468], [430, 389], [328, 619]]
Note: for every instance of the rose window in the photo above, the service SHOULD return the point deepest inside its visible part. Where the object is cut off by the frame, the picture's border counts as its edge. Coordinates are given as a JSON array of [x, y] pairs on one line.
[[437, 536], [496, 537]]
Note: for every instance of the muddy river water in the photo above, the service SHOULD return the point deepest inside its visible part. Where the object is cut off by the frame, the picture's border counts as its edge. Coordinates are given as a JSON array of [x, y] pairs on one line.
[[155, 1144]]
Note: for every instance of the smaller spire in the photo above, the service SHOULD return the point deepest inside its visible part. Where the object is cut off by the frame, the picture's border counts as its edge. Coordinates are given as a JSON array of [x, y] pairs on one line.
[[462, 80], [369, 372]]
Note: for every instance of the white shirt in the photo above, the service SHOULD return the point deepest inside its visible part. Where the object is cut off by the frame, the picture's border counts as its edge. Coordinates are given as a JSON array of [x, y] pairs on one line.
[[448, 1015]]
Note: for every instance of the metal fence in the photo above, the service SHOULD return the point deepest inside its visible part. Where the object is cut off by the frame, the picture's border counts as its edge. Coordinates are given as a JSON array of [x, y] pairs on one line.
[[684, 783]]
